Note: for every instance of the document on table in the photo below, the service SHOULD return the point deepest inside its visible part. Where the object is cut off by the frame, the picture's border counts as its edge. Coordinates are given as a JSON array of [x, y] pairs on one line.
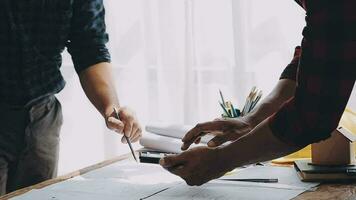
[[218, 190], [288, 186], [118, 181], [134, 181]]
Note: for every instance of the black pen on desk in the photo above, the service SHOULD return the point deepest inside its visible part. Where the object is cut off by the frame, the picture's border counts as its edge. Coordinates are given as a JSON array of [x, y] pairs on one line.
[[256, 180], [127, 139]]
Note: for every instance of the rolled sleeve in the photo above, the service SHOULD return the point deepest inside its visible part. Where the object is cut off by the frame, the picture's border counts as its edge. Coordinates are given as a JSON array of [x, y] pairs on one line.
[[290, 72], [88, 37], [325, 77]]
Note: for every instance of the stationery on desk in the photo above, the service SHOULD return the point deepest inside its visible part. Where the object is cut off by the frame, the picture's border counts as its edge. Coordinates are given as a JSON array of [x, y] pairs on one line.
[[231, 111]]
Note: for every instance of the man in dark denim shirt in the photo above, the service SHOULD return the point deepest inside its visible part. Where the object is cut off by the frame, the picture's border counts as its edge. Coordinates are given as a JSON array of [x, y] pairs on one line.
[[33, 34]]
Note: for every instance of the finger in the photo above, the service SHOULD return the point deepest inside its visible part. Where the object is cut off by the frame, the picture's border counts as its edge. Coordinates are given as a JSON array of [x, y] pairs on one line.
[[127, 117], [173, 160], [123, 140], [203, 127], [186, 144], [218, 140], [128, 127], [134, 130], [138, 135], [194, 182], [115, 124], [180, 170]]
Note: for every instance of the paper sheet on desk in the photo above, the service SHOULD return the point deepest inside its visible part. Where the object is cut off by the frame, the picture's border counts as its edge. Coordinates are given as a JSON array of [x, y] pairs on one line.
[[225, 191], [118, 181], [130, 180], [288, 187]]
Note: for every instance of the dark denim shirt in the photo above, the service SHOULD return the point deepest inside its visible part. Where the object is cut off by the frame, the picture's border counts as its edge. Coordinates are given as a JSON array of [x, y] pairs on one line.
[[34, 33]]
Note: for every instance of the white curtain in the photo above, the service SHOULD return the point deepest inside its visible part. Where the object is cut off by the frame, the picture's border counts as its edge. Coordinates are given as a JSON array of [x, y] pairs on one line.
[[171, 57]]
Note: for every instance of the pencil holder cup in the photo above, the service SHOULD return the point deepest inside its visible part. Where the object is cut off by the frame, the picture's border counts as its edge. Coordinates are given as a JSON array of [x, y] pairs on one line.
[[231, 112], [229, 117]]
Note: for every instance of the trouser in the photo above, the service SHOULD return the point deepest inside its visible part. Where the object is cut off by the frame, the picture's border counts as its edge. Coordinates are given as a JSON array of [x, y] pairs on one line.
[[29, 143]]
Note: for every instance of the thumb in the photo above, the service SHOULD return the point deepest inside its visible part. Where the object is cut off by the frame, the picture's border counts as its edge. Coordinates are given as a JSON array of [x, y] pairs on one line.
[[115, 124], [172, 161], [217, 141]]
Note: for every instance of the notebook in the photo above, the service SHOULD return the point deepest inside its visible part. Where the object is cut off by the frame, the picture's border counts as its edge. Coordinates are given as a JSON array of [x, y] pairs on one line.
[[310, 173]]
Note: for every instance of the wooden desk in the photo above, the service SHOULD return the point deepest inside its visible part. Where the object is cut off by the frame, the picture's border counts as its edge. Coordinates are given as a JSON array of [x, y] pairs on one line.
[[324, 192], [65, 177]]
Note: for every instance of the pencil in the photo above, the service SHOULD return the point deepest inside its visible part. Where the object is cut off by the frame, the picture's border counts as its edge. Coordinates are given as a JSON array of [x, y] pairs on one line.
[[256, 180]]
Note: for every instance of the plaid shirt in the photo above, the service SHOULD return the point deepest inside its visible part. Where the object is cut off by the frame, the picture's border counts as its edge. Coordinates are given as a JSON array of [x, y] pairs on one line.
[[325, 70], [34, 33]]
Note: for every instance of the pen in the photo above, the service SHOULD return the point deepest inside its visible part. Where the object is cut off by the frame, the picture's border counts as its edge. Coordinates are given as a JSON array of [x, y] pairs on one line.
[[256, 180], [127, 139]]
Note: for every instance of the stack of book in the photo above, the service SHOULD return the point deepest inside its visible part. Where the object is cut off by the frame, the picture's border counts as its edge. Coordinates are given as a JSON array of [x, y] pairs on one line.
[[315, 173]]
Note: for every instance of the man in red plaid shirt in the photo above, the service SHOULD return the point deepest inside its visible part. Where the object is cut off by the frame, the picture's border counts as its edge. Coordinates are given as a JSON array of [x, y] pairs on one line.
[[305, 106]]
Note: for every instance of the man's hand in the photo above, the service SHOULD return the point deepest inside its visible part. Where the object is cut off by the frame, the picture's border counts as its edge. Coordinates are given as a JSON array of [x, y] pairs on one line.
[[196, 166], [127, 124], [223, 129]]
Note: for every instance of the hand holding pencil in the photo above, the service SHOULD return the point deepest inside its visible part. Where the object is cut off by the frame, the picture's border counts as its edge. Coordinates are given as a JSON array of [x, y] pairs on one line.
[[126, 123]]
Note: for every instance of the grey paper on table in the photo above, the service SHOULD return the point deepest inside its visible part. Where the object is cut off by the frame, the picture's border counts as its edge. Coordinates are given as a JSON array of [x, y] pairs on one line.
[[218, 190], [129, 180], [118, 181], [288, 187]]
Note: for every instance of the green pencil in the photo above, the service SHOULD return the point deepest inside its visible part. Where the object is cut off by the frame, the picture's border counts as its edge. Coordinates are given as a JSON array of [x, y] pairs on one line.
[[233, 111]]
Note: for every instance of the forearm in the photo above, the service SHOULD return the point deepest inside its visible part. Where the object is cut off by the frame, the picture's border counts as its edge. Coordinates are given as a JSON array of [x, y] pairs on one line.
[[257, 146], [284, 90], [98, 86]]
